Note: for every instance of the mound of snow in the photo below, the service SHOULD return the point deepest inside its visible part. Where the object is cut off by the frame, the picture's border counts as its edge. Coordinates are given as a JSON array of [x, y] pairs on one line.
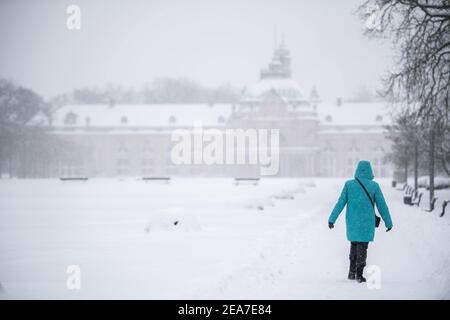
[[309, 183], [173, 219], [288, 193], [439, 182], [300, 189], [259, 204], [285, 195]]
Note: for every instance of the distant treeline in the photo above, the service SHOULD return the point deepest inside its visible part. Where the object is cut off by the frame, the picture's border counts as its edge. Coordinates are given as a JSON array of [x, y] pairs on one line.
[[161, 90], [25, 150]]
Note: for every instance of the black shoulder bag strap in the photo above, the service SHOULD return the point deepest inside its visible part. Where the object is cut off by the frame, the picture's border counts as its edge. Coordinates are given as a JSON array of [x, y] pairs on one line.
[[377, 218]]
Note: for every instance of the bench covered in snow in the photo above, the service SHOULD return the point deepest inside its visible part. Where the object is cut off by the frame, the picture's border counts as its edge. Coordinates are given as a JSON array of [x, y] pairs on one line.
[[73, 178], [417, 199], [432, 205], [157, 179], [444, 207]]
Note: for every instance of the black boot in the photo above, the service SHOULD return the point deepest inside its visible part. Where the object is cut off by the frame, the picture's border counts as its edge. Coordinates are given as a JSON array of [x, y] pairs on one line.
[[352, 256], [361, 256], [352, 271], [351, 275], [359, 275]]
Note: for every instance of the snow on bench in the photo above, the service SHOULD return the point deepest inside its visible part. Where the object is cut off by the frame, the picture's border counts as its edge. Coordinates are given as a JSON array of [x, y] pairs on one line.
[[73, 178], [432, 205], [416, 201], [156, 179], [411, 196], [408, 195], [444, 206]]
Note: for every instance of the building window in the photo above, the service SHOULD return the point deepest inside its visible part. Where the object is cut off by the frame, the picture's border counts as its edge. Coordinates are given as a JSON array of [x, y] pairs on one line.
[[70, 119], [352, 160], [147, 166], [329, 162], [147, 160], [172, 119], [170, 168], [70, 168], [379, 163], [124, 120], [122, 160], [122, 167], [379, 118], [220, 119], [354, 148], [328, 118]]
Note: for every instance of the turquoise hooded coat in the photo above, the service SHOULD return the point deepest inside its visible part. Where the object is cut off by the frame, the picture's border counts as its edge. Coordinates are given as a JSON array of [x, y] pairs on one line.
[[360, 215]]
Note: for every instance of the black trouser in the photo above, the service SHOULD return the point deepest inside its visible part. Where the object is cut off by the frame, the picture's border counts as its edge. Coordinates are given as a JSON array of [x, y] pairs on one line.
[[358, 255]]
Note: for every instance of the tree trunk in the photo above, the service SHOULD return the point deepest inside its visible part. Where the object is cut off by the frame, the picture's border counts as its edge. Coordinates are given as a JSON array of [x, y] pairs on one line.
[[24, 158], [416, 166], [10, 167], [431, 165], [406, 171]]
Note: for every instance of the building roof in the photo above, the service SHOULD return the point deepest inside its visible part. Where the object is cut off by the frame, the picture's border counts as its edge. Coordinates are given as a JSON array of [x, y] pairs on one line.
[[156, 115], [275, 79], [354, 114], [330, 116], [286, 88]]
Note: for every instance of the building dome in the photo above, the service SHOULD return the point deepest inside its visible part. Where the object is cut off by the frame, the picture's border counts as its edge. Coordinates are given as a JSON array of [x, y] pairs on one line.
[[276, 77], [287, 89]]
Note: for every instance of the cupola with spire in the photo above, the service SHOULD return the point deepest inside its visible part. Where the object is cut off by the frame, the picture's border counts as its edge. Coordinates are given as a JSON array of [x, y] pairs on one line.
[[276, 77], [280, 66]]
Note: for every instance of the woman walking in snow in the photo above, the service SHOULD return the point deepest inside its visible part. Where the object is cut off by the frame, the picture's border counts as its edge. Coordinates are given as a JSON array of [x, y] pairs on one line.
[[360, 195]]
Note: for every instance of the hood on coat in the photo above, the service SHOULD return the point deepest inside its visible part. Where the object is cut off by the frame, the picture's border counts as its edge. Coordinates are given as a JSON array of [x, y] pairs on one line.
[[364, 170]]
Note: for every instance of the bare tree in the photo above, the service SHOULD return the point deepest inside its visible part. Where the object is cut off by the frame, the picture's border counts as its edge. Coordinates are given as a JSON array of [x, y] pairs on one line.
[[161, 90], [443, 151], [420, 29], [405, 134], [18, 106]]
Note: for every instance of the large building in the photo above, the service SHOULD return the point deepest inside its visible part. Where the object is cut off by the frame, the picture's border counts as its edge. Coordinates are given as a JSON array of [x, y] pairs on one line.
[[316, 138]]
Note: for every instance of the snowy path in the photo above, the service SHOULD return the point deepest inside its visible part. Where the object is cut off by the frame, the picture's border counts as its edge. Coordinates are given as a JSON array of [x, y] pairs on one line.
[[227, 249], [310, 261]]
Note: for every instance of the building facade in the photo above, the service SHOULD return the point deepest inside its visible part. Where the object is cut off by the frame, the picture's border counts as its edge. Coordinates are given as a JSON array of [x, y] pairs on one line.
[[316, 138]]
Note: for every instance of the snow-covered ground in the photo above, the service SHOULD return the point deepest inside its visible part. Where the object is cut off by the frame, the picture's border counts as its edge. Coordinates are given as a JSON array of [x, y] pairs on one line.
[[266, 241]]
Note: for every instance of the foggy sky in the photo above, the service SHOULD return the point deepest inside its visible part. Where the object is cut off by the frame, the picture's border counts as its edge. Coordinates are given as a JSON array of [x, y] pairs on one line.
[[212, 42]]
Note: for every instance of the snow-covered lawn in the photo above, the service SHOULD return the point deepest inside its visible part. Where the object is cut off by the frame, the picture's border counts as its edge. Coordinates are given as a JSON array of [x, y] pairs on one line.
[[265, 241]]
